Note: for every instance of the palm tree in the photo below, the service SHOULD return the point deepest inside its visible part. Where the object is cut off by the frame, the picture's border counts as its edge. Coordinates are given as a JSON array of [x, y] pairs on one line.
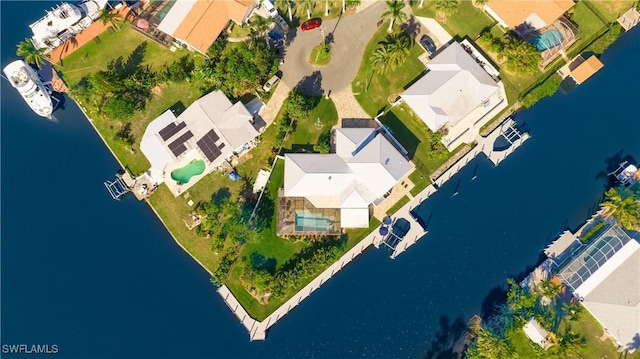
[[446, 7], [31, 53], [112, 17], [567, 344], [573, 310], [350, 3], [398, 45], [394, 12], [327, 3], [549, 288], [624, 206], [282, 3], [260, 25], [308, 5], [380, 59]]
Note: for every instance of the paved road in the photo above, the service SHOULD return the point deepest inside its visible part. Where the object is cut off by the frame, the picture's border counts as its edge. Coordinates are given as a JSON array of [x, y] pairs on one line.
[[350, 36]]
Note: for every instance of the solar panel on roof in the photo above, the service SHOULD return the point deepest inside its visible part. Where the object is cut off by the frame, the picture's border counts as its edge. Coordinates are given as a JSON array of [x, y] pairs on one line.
[[171, 129], [208, 145], [180, 140], [178, 150]]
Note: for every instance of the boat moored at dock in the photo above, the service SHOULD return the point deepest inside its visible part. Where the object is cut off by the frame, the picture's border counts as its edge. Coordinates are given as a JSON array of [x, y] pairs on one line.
[[26, 80]]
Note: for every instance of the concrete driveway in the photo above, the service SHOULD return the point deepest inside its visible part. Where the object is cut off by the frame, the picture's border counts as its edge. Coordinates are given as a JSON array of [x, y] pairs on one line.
[[350, 37]]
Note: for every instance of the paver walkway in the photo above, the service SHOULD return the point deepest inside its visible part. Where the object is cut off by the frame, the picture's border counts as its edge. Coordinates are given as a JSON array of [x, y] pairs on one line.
[[347, 105], [280, 94]]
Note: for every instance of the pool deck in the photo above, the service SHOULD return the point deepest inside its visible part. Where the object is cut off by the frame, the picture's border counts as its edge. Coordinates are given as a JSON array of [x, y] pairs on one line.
[[258, 329]]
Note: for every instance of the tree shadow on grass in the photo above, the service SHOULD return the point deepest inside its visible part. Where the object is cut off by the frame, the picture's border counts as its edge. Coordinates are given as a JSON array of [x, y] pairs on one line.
[[177, 108], [260, 262], [221, 195]]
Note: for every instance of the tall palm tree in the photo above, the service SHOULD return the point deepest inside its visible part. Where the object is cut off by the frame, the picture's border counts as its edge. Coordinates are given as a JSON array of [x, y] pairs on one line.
[[308, 5], [624, 205], [30, 52], [394, 12], [260, 25], [549, 288], [567, 344], [380, 59], [446, 7], [113, 17], [350, 3], [573, 310], [327, 3], [287, 3], [398, 45]]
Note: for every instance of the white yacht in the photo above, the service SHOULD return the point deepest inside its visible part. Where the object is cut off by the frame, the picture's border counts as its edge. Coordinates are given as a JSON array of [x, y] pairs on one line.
[[64, 21], [26, 80]]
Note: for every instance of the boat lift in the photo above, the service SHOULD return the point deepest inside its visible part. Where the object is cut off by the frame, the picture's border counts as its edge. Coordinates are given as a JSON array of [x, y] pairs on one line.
[[117, 188], [510, 133]]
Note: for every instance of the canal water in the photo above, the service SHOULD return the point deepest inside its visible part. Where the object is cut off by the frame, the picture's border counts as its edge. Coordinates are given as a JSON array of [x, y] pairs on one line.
[[103, 279]]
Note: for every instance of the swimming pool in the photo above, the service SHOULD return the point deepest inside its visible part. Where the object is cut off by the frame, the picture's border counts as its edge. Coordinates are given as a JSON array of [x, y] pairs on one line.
[[546, 40], [312, 222], [184, 174]]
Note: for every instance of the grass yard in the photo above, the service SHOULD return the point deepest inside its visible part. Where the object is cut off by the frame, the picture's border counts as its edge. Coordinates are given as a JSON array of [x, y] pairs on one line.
[[277, 251], [372, 90], [589, 25], [610, 9], [306, 133], [92, 57], [467, 20]]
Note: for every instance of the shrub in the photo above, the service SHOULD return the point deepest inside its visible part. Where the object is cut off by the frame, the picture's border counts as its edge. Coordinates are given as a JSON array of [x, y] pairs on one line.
[[547, 88], [604, 41]]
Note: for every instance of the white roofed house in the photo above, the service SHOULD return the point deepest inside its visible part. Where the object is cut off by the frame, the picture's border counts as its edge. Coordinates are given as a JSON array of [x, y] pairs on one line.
[[457, 95], [605, 277], [185, 148], [335, 190]]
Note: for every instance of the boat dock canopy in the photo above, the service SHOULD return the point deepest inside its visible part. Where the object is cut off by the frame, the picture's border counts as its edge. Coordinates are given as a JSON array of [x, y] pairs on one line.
[[586, 69]]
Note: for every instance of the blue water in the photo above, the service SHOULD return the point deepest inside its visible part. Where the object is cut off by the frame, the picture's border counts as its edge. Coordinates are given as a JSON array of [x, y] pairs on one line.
[[103, 279], [546, 40]]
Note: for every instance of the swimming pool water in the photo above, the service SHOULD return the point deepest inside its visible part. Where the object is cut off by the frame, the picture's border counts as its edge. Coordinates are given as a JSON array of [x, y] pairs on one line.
[[546, 40], [312, 222], [184, 174]]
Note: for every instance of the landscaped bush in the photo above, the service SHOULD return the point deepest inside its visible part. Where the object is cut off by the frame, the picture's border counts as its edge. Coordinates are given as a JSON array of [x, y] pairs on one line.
[[545, 89], [604, 41], [595, 230]]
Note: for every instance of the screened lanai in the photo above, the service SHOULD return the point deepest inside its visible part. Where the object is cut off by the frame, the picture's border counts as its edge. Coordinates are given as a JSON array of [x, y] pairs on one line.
[[593, 257]]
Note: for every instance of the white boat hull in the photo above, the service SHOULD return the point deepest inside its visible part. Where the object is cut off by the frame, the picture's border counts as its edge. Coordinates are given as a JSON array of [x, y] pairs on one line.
[[29, 85]]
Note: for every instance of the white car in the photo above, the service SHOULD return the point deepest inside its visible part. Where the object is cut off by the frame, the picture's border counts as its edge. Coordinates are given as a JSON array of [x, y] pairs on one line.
[[272, 82], [267, 5]]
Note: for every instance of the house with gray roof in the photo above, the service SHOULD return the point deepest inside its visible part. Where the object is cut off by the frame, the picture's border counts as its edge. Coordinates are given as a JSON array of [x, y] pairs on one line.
[[605, 277], [208, 132], [364, 167], [456, 95]]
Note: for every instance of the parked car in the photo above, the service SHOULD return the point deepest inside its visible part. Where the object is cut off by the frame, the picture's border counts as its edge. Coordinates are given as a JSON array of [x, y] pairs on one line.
[[310, 24], [268, 6], [428, 44], [272, 82]]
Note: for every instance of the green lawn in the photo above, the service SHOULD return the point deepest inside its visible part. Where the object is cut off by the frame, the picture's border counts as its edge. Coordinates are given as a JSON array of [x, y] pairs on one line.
[[404, 200], [589, 25], [611, 9], [93, 57], [306, 133], [587, 327], [372, 90], [467, 20]]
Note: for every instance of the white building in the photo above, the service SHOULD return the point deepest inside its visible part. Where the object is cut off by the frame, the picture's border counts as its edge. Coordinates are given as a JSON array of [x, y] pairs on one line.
[[212, 129], [536, 333], [457, 94], [605, 277], [364, 168]]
